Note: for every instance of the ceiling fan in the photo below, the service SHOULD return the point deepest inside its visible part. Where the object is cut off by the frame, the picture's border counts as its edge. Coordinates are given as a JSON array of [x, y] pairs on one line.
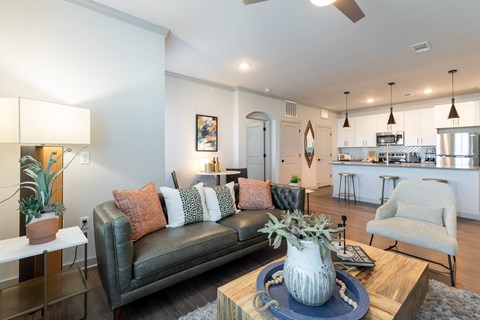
[[348, 7]]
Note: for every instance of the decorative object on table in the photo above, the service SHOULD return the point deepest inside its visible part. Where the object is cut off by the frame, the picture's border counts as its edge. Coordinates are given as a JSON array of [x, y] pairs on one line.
[[309, 272], [282, 306], [355, 257], [453, 114], [294, 180], [309, 144], [40, 212], [206, 133], [343, 253]]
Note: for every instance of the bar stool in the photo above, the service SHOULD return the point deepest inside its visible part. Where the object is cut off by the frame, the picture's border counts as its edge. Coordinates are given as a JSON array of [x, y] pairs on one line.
[[346, 188], [388, 178], [434, 179]]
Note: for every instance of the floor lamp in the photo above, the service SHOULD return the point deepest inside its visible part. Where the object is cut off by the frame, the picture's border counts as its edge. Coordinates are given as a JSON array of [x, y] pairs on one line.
[[40, 128]]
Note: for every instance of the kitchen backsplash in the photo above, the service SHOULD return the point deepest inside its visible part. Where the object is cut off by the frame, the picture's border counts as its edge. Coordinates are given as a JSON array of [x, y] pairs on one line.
[[362, 153]]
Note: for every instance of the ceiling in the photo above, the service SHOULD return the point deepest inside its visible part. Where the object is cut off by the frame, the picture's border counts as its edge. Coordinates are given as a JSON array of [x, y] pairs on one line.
[[311, 54]]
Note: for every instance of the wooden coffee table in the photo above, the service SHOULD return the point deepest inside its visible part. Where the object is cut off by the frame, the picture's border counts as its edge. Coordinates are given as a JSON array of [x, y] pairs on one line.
[[397, 286]]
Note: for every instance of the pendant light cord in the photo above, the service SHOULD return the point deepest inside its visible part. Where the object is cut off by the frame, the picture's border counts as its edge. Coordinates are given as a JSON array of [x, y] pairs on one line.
[[453, 91], [346, 101]]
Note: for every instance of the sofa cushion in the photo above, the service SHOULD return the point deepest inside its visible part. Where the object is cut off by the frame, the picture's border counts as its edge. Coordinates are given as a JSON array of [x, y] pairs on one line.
[[423, 213], [143, 209], [248, 222], [254, 194], [419, 233], [173, 246], [185, 205], [220, 201]]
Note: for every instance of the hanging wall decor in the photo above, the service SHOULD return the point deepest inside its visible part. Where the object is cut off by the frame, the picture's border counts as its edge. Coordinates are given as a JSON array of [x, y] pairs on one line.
[[206, 133]]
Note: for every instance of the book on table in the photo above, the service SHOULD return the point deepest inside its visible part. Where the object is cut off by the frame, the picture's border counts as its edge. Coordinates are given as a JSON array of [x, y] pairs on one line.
[[357, 257]]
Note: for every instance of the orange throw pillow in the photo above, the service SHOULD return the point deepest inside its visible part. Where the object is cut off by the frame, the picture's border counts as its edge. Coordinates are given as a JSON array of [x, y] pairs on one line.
[[143, 209], [254, 194]]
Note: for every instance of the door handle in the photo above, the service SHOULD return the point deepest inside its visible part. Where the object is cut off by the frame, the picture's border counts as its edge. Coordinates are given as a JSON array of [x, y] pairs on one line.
[[318, 159], [283, 160]]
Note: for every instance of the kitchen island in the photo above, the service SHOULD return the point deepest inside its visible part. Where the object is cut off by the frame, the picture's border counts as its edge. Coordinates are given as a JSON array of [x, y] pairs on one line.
[[464, 181]]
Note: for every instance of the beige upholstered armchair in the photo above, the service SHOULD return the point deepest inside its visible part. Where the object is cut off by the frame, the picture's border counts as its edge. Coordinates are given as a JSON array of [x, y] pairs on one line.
[[420, 213]]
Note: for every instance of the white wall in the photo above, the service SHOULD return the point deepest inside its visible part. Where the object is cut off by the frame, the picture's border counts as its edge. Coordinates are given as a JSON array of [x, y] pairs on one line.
[[184, 99], [56, 51]]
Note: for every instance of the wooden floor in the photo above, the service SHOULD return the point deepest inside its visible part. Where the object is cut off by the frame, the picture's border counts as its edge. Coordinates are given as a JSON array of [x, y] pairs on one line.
[[173, 302]]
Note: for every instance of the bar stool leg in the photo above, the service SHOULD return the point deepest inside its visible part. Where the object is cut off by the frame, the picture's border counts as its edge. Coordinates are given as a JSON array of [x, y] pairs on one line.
[[339, 188], [354, 195], [383, 191]]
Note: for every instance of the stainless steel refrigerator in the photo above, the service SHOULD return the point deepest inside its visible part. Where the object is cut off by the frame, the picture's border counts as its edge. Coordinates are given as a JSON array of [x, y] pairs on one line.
[[459, 150]]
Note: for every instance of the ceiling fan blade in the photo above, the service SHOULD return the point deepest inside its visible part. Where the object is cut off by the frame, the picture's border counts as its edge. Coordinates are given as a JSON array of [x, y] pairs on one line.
[[247, 2], [349, 8]]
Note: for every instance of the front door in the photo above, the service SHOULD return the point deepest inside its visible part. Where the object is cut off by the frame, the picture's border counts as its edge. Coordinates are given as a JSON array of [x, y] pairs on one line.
[[290, 154], [323, 151]]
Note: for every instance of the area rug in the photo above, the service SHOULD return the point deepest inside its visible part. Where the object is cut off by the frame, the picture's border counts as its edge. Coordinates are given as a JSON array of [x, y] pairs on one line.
[[442, 302]]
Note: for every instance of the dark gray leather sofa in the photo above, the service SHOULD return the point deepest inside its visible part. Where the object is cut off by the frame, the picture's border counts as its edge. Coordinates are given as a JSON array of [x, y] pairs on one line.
[[130, 271]]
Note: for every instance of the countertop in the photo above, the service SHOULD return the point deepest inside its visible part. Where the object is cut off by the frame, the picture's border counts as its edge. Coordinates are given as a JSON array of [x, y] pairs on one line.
[[403, 165]]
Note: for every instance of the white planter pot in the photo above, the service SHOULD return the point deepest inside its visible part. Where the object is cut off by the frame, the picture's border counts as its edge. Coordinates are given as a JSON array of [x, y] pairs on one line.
[[309, 277]]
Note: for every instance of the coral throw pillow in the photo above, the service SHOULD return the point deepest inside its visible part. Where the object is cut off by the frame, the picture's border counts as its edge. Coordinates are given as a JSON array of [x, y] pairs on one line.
[[254, 194], [143, 209]]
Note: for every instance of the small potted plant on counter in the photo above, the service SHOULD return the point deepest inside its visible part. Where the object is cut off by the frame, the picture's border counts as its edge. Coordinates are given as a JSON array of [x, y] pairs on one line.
[[294, 180]]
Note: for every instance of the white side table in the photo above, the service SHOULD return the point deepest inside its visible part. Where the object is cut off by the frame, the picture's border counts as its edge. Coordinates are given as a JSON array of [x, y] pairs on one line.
[[218, 174], [39, 293]]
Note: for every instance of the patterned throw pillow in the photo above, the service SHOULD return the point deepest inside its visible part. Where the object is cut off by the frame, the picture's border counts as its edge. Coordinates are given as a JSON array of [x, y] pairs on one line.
[[186, 205], [254, 194], [220, 201], [143, 209]]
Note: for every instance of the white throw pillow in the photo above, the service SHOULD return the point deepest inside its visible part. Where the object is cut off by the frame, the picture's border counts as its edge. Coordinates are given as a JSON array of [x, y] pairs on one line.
[[185, 205], [220, 201], [412, 211]]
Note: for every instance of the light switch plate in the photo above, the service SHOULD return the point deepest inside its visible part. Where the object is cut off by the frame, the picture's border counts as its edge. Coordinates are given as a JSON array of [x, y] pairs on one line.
[[84, 157]]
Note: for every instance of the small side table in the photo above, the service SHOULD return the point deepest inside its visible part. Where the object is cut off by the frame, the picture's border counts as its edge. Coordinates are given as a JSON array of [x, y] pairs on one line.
[[218, 174], [39, 293]]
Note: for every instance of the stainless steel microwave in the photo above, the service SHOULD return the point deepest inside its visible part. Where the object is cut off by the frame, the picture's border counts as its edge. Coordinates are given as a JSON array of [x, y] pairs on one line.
[[394, 138]]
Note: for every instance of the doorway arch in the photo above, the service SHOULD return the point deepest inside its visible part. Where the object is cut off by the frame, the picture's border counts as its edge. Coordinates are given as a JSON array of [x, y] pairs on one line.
[[258, 146]]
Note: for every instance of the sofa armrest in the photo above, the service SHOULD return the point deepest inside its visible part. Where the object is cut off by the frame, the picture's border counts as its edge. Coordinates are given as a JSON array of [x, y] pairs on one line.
[[114, 250], [288, 197], [450, 220], [387, 210]]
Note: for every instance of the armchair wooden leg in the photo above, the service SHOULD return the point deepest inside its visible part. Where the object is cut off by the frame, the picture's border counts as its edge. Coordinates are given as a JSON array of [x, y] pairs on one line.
[[452, 269], [117, 313], [371, 240]]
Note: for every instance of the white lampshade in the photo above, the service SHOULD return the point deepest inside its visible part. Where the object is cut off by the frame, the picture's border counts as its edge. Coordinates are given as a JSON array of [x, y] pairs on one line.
[[40, 122], [9, 120]]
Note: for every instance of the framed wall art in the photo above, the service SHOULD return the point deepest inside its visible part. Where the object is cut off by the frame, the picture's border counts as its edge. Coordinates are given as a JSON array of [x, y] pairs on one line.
[[206, 133]]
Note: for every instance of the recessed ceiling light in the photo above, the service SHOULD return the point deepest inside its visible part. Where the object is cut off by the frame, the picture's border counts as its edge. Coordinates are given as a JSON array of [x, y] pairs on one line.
[[370, 100], [244, 65], [428, 91], [267, 90], [322, 3]]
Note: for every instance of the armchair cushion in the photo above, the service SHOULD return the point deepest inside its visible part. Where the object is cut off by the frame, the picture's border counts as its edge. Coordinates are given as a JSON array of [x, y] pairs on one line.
[[420, 233], [423, 213]]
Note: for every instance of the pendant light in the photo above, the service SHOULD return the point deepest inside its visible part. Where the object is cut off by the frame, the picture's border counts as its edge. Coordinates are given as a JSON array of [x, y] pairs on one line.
[[453, 111], [346, 124], [391, 119]]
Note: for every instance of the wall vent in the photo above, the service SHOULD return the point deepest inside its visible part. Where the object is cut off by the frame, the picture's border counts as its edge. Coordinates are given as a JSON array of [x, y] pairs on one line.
[[290, 109], [421, 47]]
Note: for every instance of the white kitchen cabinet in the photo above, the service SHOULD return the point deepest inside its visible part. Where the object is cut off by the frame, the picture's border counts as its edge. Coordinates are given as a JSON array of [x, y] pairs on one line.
[[382, 120], [469, 113], [365, 131], [419, 127], [345, 136]]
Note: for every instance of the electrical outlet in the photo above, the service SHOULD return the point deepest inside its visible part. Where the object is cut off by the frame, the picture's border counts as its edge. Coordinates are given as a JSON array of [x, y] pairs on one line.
[[84, 223]]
